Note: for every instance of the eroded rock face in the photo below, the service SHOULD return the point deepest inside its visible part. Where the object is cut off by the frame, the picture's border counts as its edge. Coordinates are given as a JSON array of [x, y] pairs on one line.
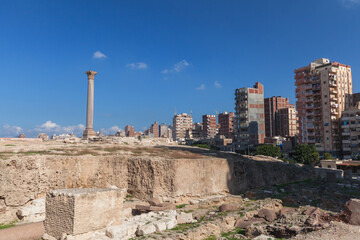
[[352, 211]]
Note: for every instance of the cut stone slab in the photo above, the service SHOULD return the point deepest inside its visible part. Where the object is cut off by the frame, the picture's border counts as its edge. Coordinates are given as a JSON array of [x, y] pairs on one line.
[[170, 223], [123, 231], [184, 218], [160, 225], [77, 211], [146, 229]]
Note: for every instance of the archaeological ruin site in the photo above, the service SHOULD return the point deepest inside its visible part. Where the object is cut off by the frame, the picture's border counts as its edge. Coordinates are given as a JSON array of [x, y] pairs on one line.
[[126, 188]]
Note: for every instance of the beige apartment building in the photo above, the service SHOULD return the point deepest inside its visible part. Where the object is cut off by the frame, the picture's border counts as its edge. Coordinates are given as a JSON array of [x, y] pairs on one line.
[[287, 122], [181, 123], [323, 91], [350, 127]]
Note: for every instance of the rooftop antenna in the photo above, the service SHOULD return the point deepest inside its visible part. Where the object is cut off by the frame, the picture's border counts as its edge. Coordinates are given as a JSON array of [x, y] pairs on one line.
[[191, 112], [175, 111]]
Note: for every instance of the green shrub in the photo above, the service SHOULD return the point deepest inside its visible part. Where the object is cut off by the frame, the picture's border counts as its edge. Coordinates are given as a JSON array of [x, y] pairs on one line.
[[306, 154], [268, 150]]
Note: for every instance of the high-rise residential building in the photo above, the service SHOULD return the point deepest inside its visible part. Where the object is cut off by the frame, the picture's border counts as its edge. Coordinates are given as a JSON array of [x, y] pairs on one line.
[[226, 121], [271, 107], [181, 123], [164, 131], [286, 122], [323, 91], [249, 123], [356, 98], [129, 131], [154, 129], [350, 127], [209, 126]]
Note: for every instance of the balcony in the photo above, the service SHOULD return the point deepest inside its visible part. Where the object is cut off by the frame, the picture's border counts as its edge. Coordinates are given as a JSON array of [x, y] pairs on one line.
[[308, 93], [333, 97], [332, 83], [333, 90]]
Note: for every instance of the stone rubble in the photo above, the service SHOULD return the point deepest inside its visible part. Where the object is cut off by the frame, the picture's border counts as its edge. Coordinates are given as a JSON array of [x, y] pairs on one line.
[[35, 212]]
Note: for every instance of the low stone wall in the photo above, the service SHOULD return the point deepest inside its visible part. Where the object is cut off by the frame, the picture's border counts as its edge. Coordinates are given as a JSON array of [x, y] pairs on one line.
[[322, 172], [199, 177], [26, 178]]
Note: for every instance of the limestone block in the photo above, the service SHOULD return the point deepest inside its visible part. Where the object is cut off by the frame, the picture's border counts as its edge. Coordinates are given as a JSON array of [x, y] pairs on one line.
[[184, 218], [123, 231], [170, 223], [146, 229], [35, 212], [160, 225], [77, 211]]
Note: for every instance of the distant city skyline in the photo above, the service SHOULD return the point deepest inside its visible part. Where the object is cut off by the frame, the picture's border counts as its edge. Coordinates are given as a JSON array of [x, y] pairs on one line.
[[155, 58]]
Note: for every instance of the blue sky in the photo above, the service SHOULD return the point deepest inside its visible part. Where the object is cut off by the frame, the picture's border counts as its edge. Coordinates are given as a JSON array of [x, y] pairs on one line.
[[157, 57]]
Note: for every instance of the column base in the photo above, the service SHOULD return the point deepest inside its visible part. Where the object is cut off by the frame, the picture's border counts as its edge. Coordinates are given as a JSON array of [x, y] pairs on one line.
[[89, 132]]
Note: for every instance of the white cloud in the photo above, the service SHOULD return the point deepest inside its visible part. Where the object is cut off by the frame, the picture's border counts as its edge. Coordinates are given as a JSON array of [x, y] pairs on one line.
[[50, 127], [99, 55], [111, 130], [350, 3], [217, 84], [178, 67], [139, 65], [10, 131], [202, 87]]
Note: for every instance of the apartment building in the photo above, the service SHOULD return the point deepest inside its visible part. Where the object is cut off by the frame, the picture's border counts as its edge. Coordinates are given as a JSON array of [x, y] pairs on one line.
[[209, 126], [164, 131], [181, 123], [226, 122], [350, 128], [286, 122], [323, 91], [271, 107], [356, 98], [154, 129], [249, 122], [129, 131]]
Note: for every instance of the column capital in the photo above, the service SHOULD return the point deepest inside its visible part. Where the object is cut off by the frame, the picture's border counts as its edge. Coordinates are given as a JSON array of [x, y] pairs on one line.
[[91, 74]]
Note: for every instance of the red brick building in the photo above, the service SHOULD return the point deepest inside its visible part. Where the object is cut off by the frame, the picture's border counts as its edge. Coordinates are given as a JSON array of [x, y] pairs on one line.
[[209, 126], [129, 131], [226, 122], [154, 129], [272, 105]]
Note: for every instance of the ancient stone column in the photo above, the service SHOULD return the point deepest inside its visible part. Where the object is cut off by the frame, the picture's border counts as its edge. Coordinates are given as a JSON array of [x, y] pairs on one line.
[[89, 131]]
